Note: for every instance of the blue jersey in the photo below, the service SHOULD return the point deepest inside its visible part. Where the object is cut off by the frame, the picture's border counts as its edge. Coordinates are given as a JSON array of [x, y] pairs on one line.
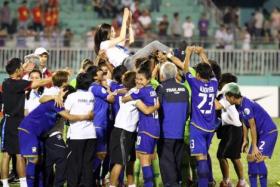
[[249, 109], [101, 105], [147, 123], [203, 107], [41, 119], [174, 101], [116, 105]]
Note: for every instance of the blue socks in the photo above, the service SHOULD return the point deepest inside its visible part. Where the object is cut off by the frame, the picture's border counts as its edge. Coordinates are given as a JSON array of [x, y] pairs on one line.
[[203, 173], [210, 174], [30, 173], [262, 174], [148, 176], [255, 170]]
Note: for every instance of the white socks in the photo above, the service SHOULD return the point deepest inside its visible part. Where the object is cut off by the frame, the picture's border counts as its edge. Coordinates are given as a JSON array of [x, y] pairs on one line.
[[132, 185], [22, 182], [5, 183]]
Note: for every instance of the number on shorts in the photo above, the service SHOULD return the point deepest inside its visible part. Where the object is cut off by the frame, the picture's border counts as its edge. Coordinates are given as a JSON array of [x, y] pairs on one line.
[[155, 113], [192, 144], [262, 144], [138, 140]]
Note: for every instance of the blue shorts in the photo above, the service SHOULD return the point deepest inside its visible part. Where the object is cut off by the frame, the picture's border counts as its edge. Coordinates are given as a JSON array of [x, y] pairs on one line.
[[266, 144], [200, 141], [101, 134], [145, 144], [29, 144]]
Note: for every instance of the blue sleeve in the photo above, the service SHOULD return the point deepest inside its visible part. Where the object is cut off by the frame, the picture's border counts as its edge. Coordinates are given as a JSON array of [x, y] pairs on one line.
[[137, 94], [248, 112], [57, 109], [99, 91], [190, 78]]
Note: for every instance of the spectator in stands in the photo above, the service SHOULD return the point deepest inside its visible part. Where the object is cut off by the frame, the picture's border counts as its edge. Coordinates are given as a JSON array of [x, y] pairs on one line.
[[67, 38], [246, 39], [228, 38], [155, 5], [23, 15], [220, 37], [30, 37], [259, 20], [3, 36], [90, 38], [5, 16], [275, 22], [175, 25], [37, 14], [55, 16], [188, 28], [21, 37], [48, 20], [136, 13], [163, 26], [97, 7], [146, 20], [203, 25]]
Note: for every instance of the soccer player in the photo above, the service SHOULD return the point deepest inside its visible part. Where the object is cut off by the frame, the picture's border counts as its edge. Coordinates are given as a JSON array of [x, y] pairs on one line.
[[263, 132], [123, 136], [202, 125], [13, 99], [33, 126], [103, 97], [174, 101], [232, 139], [148, 129]]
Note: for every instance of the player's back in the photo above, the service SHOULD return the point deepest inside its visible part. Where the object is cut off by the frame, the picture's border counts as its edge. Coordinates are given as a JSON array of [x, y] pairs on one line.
[[251, 109], [203, 96], [41, 119]]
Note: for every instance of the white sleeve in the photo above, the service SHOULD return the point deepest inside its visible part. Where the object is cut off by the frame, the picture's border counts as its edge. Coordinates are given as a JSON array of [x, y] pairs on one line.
[[26, 104], [104, 45], [50, 91], [68, 103], [224, 103]]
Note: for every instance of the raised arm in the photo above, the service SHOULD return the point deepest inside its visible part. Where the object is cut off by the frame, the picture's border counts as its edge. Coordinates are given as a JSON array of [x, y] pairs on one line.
[[39, 83], [131, 32], [122, 36], [203, 57], [189, 51]]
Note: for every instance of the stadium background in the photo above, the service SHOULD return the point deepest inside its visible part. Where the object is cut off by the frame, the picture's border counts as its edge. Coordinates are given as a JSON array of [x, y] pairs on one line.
[[70, 41]]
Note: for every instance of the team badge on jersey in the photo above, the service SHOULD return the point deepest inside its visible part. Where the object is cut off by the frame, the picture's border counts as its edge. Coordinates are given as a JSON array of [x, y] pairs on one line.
[[34, 149], [246, 111], [103, 90]]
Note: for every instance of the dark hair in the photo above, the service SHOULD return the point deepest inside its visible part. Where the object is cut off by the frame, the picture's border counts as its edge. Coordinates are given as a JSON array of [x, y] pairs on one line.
[[36, 71], [86, 63], [40, 89], [140, 61], [101, 63], [59, 78], [84, 81], [129, 79], [237, 96], [92, 71], [101, 34], [146, 72], [227, 78], [216, 69], [13, 65], [118, 73], [176, 14], [69, 89], [204, 70]]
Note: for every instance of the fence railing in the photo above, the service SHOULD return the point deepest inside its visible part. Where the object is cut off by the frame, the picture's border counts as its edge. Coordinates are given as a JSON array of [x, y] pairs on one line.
[[240, 62]]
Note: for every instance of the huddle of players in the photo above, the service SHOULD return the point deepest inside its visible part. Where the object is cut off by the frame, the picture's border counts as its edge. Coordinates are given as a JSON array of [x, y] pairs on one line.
[[129, 103]]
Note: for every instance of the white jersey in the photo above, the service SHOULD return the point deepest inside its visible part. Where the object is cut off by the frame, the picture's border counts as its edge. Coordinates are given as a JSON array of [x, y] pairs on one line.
[[115, 55], [128, 116], [80, 103], [51, 91], [32, 102], [230, 115]]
